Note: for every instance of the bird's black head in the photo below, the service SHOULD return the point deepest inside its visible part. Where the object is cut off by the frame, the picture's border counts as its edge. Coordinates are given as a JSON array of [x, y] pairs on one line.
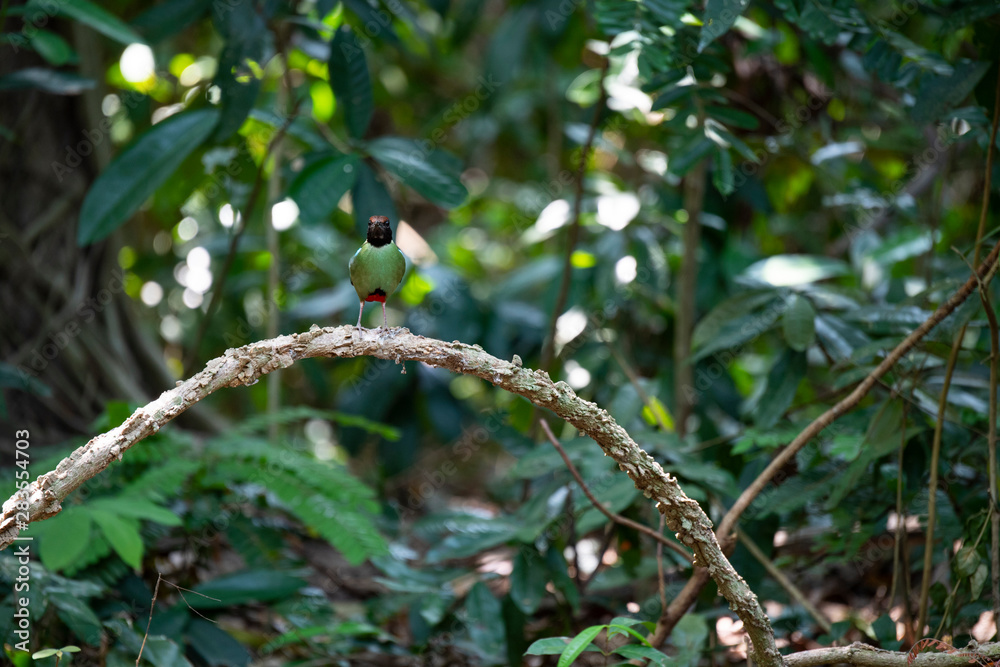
[[379, 231]]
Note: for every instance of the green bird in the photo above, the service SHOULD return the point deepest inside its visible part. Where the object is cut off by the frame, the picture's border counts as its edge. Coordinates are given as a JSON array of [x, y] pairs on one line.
[[377, 267]]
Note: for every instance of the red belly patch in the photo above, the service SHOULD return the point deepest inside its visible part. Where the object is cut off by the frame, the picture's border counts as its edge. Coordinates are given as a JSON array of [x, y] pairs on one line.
[[376, 296]]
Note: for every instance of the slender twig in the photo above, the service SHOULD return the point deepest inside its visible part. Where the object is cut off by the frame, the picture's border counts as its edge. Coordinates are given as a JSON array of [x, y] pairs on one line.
[[573, 233], [687, 285], [661, 583], [932, 484], [242, 219], [991, 453], [152, 605], [617, 518], [898, 574], [793, 591], [994, 360]]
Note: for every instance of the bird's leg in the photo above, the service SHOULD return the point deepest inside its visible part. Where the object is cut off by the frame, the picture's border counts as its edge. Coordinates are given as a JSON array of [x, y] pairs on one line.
[[361, 310], [385, 323]]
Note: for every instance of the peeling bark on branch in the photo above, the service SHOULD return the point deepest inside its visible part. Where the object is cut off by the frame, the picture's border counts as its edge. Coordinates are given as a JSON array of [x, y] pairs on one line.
[[246, 365], [869, 656]]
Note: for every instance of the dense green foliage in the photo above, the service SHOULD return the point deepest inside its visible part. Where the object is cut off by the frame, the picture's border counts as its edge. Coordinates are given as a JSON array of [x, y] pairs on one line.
[[840, 147]]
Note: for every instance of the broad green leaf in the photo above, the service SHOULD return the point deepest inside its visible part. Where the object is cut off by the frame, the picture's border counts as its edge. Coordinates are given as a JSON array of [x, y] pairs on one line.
[[712, 325], [733, 117], [48, 80], [792, 270], [52, 47], [907, 243], [552, 646], [318, 188], [967, 561], [243, 587], [214, 644], [138, 508], [351, 82], [633, 652], [484, 620], [369, 198], [782, 384], [169, 18], [245, 33], [940, 92], [579, 644], [415, 164], [978, 581], [97, 18], [79, 617], [722, 175], [799, 323], [527, 582], [139, 170], [64, 537], [122, 535], [720, 15], [696, 149]]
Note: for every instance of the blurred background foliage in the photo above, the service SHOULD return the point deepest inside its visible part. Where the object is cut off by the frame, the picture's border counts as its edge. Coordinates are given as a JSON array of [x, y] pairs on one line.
[[187, 176]]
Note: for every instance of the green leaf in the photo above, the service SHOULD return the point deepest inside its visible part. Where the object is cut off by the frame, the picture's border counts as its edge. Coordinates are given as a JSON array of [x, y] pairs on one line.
[[552, 646], [527, 582], [139, 170], [579, 644], [712, 325], [369, 198], [885, 631], [65, 536], [967, 561], [799, 323], [215, 645], [243, 587], [97, 18], [940, 92], [722, 175], [318, 188], [417, 166], [733, 117], [351, 83], [137, 508], [123, 536], [792, 270], [245, 31], [52, 47], [699, 147], [49, 80], [720, 15], [782, 384], [44, 653], [169, 18], [633, 652], [978, 581], [484, 619], [79, 617]]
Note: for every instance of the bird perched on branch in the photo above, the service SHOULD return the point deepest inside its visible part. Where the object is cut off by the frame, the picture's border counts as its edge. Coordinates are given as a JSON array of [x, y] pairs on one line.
[[377, 267]]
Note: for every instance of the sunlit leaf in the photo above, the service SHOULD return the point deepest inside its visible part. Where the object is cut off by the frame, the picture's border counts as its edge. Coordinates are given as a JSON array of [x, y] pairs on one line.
[[139, 170]]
